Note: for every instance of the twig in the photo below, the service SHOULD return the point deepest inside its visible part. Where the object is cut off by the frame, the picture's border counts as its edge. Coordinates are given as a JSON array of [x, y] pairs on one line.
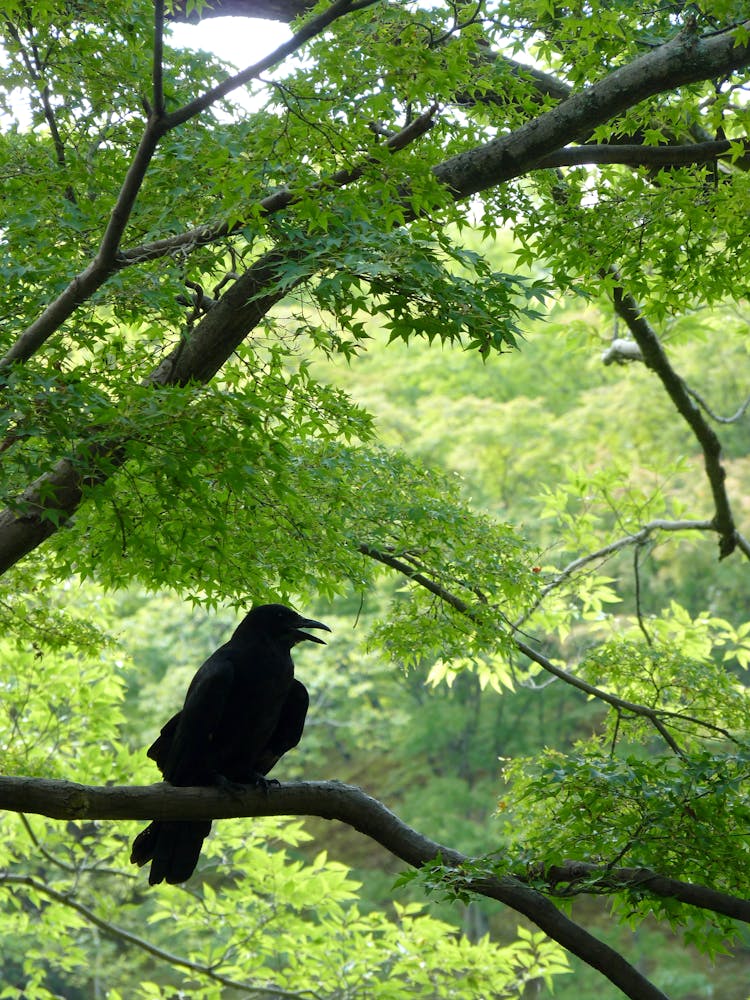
[[715, 416], [637, 576], [637, 538], [276, 201]]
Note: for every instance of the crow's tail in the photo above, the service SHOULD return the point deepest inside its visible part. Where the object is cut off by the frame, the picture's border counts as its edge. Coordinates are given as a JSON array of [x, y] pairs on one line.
[[173, 848]]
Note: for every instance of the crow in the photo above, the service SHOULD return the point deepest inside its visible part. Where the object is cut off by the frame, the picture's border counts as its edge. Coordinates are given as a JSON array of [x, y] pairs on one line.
[[243, 710]]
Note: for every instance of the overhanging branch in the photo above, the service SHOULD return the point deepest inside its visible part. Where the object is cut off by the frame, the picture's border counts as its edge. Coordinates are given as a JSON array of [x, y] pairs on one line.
[[656, 716], [350, 805], [639, 155]]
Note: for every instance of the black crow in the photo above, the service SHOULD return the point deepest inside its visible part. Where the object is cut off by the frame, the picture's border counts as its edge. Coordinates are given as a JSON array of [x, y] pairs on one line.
[[243, 710]]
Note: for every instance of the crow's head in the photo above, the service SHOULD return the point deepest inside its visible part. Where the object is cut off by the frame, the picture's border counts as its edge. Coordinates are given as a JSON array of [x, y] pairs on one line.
[[279, 622]]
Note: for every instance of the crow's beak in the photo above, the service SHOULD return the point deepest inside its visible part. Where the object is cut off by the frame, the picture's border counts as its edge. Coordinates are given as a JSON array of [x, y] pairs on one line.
[[309, 623]]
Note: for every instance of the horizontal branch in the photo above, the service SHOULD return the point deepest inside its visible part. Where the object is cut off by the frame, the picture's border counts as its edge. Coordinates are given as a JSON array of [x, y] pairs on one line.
[[638, 155], [639, 537], [684, 59], [581, 877], [327, 800]]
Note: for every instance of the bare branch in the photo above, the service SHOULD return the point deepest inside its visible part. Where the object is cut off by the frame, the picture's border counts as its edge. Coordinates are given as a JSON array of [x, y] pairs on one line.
[[328, 800], [655, 358], [638, 155], [637, 538], [715, 416]]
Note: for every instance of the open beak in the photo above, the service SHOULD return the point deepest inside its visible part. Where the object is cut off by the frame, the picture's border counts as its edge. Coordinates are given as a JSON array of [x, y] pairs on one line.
[[309, 623]]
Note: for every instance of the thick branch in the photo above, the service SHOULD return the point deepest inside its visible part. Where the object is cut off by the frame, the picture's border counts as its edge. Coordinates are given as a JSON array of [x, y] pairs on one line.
[[638, 156], [685, 59], [328, 800], [581, 877]]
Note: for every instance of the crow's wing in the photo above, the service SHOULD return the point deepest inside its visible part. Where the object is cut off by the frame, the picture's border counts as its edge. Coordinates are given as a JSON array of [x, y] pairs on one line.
[[186, 751], [288, 731], [159, 749]]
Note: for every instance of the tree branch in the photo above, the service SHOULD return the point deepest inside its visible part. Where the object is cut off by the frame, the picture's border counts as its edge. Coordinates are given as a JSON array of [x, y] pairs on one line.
[[582, 877], [656, 716], [636, 538], [280, 199], [682, 60], [637, 155], [327, 800], [655, 358], [350, 805], [107, 262], [157, 95]]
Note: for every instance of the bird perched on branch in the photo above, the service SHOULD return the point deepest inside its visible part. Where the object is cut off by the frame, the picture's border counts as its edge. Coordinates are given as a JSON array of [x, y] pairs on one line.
[[243, 710]]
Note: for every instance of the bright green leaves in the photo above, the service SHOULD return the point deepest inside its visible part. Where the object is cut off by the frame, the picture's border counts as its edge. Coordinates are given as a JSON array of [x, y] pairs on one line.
[[61, 704], [681, 816], [422, 289]]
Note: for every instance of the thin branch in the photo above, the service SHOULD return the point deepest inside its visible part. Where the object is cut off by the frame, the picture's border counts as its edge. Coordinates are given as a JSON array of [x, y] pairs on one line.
[[64, 865], [655, 715], [639, 537], [585, 877], [655, 358], [715, 416], [276, 201], [637, 578], [313, 27], [36, 74], [121, 934]]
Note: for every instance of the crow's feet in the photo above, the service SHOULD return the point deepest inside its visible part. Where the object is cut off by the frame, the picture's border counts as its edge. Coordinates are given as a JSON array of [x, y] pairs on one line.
[[237, 788]]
